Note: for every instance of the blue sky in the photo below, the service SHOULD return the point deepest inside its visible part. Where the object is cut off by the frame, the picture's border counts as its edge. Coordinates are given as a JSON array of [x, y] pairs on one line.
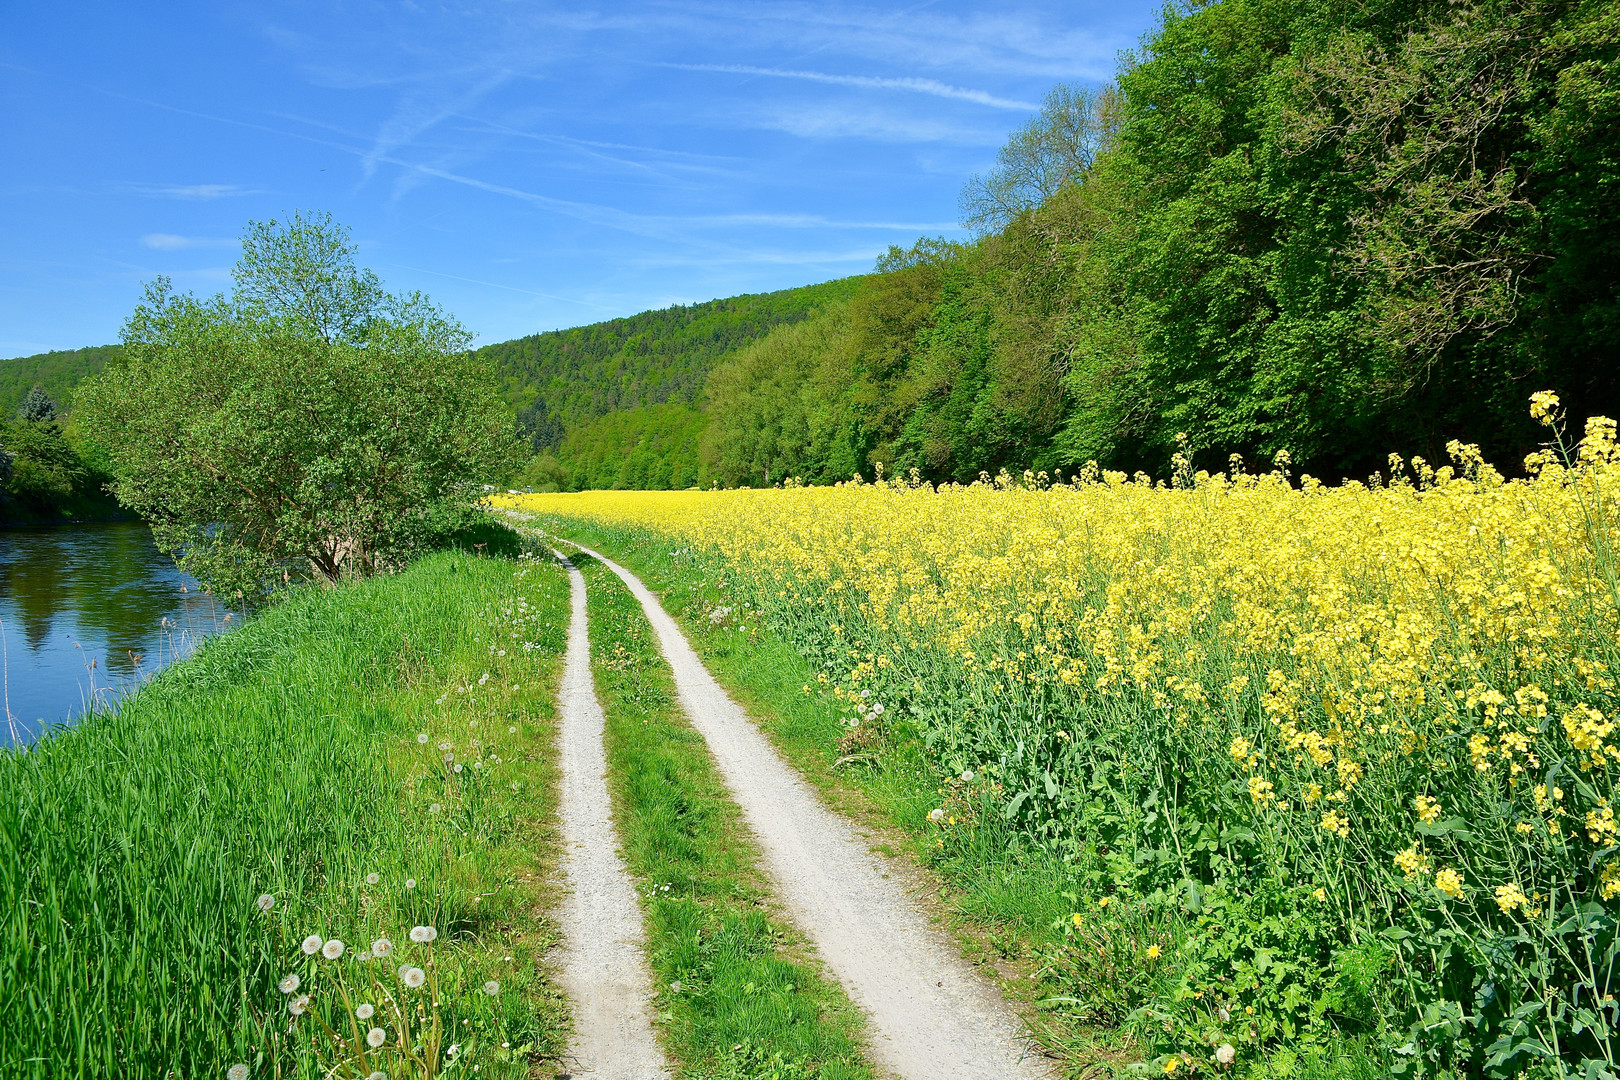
[[528, 165]]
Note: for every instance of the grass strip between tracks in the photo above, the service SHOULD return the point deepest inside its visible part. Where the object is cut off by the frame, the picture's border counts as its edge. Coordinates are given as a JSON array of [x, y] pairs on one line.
[[739, 998], [366, 758]]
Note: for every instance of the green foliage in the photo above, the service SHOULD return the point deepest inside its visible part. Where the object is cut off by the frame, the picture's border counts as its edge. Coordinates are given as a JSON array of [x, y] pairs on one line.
[[1322, 228], [45, 475], [564, 378], [308, 424], [652, 446], [283, 760], [57, 373]]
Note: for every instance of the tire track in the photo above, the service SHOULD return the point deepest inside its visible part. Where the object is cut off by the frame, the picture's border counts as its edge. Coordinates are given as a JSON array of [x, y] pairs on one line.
[[932, 1016], [603, 967]]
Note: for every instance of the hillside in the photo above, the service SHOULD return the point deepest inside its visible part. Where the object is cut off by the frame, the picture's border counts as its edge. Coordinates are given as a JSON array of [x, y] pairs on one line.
[[562, 379], [58, 372]]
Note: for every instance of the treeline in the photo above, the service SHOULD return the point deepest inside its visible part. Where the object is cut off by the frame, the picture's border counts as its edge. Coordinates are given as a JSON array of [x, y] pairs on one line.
[[562, 379], [1333, 229], [47, 472], [57, 373]]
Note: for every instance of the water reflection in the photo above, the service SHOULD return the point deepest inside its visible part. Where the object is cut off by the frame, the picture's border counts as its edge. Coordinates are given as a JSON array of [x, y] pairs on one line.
[[88, 612]]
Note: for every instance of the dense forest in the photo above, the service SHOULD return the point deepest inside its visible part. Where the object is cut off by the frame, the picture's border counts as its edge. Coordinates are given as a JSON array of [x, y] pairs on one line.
[[56, 373], [1333, 229]]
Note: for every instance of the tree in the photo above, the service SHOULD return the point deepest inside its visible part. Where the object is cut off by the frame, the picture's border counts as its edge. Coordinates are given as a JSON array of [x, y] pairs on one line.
[[309, 424], [37, 407], [1074, 127]]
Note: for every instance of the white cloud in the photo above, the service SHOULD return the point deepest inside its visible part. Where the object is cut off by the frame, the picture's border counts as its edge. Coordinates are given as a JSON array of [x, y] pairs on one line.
[[191, 191], [171, 242], [931, 87]]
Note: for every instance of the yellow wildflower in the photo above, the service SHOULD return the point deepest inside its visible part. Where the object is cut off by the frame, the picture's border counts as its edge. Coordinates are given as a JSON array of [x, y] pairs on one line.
[[1428, 810], [1449, 882], [1260, 791], [1240, 749], [1335, 822], [1412, 862], [1320, 894], [1153, 952], [1544, 407], [1609, 881], [1509, 897], [1600, 825]]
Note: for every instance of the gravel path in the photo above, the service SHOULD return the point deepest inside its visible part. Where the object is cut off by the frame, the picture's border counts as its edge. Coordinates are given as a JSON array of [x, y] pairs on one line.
[[603, 968], [932, 1016]]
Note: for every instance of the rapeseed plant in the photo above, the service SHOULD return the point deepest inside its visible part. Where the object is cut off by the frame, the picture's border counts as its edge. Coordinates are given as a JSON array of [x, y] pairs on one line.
[[1361, 738]]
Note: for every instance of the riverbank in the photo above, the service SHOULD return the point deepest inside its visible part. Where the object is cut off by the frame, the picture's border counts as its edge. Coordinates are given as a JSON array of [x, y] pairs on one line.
[[353, 763]]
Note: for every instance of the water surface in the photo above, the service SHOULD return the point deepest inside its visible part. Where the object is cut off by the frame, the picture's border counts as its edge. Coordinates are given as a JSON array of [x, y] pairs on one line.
[[87, 612]]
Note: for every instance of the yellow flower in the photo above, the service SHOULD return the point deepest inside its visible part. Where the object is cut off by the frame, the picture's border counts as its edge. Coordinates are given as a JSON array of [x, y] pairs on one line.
[[1600, 825], [1449, 882], [1412, 862], [1609, 881], [1240, 749], [1335, 822], [1078, 920], [1260, 791], [1153, 952], [1170, 1065], [1509, 897], [1320, 894], [1105, 901], [1428, 810], [1543, 406]]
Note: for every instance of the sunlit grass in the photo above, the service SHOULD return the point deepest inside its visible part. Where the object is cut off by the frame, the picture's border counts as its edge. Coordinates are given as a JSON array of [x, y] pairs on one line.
[[162, 865]]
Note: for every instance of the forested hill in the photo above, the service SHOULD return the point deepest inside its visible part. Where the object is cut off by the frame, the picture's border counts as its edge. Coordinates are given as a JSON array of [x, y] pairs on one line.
[[564, 378], [57, 372]]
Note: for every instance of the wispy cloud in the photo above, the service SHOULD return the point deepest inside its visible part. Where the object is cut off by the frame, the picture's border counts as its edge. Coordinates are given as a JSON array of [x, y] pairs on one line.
[[931, 87], [171, 242], [192, 191]]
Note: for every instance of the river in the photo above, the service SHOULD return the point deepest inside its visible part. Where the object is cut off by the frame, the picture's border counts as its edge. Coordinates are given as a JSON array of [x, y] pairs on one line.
[[87, 613]]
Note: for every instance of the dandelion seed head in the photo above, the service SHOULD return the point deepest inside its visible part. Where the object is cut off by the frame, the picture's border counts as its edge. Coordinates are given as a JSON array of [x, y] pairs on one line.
[[492, 988], [376, 1037], [298, 1004], [936, 814], [423, 737], [1225, 1054], [434, 809], [312, 944], [512, 730], [265, 902], [381, 947], [415, 977], [372, 879], [288, 984], [423, 934], [332, 949], [364, 1012], [238, 1071], [410, 883], [404, 970]]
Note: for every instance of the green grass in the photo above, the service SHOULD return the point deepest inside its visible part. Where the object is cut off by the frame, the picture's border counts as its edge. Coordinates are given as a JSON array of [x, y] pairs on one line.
[[738, 997], [284, 760]]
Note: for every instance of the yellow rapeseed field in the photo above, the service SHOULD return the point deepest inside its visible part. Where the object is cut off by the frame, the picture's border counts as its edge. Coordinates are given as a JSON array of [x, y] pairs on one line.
[[1380, 713]]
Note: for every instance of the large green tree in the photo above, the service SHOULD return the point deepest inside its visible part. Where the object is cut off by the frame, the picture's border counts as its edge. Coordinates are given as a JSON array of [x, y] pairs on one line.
[[308, 424]]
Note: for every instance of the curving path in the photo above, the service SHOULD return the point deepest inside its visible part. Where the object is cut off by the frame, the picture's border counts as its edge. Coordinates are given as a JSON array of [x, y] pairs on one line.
[[932, 1017], [603, 968]]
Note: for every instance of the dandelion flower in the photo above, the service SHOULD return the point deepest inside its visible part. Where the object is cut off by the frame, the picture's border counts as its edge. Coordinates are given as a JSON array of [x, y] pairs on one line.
[[378, 1075], [237, 1072], [492, 988], [1078, 919], [372, 879], [1225, 1054], [312, 944], [458, 766], [936, 814], [1171, 1065], [410, 883], [265, 902], [332, 949], [422, 738], [967, 776], [1320, 894], [298, 1004], [364, 1012], [512, 730], [1153, 952], [415, 977], [381, 947], [376, 1037], [404, 970], [289, 984], [423, 934], [434, 809]]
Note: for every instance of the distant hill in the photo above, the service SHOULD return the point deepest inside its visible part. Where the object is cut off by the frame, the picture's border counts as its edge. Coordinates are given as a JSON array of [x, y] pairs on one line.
[[58, 372], [563, 379]]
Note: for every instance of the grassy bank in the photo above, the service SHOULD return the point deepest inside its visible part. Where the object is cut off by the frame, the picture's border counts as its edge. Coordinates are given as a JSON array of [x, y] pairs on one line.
[[351, 764], [737, 998]]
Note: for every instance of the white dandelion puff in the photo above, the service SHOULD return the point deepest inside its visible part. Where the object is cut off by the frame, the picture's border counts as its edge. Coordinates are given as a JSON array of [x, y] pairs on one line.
[[381, 947], [415, 977], [312, 944], [458, 766], [1225, 1054], [364, 1011], [410, 883], [422, 738], [372, 879], [332, 949], [237, 1072], [936, 814], [512, 730], [265, 902], [484, 678], [967, 776], [289, 984], [378, 1075], [404, 970], [492, 988], [298, 1004], [434, 809], [376, 1037], [423, 934]]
